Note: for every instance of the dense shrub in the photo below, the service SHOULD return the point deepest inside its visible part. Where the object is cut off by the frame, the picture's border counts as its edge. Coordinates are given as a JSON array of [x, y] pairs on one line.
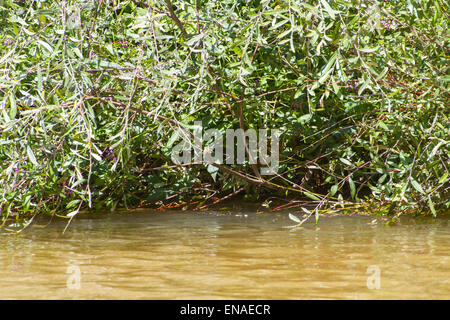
[[91, 93]]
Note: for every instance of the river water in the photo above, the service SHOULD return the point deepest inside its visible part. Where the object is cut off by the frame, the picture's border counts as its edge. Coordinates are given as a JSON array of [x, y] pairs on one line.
[[226, 255]]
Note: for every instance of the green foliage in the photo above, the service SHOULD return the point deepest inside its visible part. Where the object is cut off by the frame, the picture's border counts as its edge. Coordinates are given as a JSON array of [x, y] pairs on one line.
[[91, 92]]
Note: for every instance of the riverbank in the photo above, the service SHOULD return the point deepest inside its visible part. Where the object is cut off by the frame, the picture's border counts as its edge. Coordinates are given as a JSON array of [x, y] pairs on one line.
[[117, 104]]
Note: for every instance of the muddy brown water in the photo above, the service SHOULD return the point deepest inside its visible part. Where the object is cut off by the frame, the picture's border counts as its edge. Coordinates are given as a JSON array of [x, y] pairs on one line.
[[227, 255]]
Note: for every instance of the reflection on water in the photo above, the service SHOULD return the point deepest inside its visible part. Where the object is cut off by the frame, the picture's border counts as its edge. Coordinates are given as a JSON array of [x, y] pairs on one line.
[[185, 255]]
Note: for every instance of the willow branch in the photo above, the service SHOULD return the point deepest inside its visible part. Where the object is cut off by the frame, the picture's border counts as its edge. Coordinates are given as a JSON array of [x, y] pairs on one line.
[[174, 17]]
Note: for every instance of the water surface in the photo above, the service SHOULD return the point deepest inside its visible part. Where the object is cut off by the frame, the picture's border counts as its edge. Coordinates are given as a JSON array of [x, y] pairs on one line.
[[226, 255]]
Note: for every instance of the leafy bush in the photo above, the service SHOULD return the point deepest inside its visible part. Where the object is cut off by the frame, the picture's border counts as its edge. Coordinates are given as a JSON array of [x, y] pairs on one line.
[[91, 93]]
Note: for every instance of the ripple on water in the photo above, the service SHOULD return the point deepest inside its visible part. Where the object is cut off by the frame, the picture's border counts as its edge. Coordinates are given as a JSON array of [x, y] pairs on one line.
[[155, 255]]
